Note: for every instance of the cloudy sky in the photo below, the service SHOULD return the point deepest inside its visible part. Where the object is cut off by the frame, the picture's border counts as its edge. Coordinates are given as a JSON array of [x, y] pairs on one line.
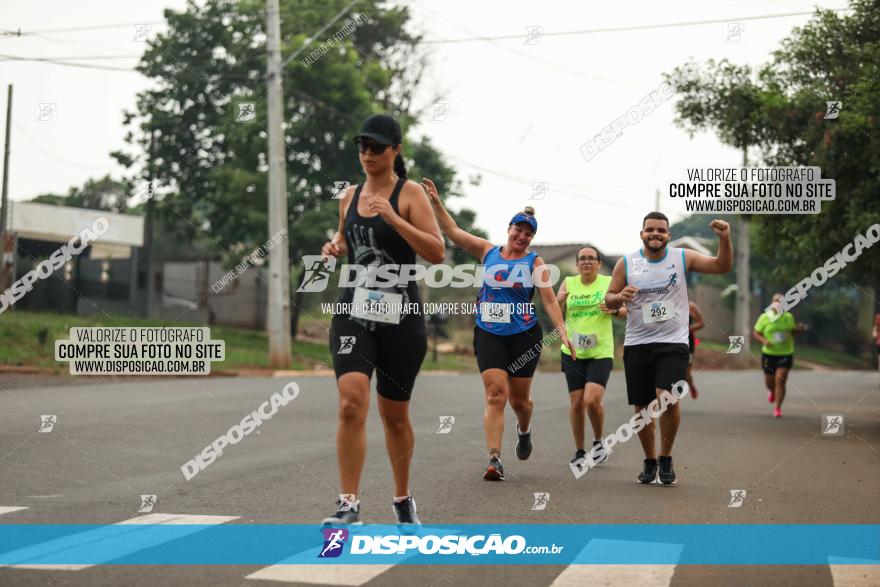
[[514, 110]]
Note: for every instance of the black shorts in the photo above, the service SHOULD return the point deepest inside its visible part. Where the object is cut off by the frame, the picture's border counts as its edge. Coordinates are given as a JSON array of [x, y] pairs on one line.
[[770, 363], [518, 354], [653, 366], [579, 372], [395, 354]]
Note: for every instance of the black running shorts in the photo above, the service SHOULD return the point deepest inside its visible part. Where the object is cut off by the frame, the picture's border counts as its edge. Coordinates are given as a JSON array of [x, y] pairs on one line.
[[395, 354], [579, 372], [518, 354], [770, 363], [653, 366]]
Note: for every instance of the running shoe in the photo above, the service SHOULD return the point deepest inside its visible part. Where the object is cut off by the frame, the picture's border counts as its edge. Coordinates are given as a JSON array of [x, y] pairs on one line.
[[771, 397], [523, 444], [649, 472], [347, 514], [580, 457], [407, 518], [777, 412], [494, 472], [667, 474], [598, 452]]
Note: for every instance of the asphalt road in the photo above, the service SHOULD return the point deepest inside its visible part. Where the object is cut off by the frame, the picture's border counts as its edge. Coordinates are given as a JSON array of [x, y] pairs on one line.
[[114, 440]]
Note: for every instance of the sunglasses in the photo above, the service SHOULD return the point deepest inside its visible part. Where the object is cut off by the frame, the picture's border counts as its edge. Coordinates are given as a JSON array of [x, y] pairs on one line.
[[373, 147]]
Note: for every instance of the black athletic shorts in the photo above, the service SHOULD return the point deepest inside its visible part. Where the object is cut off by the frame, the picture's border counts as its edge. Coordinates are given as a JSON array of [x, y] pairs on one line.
[[653, 366], [770, 363], [518, 354], [395, 354], [579, 372]]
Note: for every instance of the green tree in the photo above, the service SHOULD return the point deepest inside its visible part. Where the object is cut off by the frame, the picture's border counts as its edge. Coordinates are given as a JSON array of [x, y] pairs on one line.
[[97, 194], [209, 162], [833, 57]]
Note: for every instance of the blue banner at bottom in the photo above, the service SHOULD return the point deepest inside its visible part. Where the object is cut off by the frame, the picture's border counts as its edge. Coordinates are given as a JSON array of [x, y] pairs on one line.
[[499, 544]]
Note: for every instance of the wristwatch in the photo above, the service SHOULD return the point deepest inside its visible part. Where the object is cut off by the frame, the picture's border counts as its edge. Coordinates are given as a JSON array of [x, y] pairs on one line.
[[616, 312]]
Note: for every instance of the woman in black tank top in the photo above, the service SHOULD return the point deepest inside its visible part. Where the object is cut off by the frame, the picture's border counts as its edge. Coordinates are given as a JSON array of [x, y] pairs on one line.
[[385, 221]]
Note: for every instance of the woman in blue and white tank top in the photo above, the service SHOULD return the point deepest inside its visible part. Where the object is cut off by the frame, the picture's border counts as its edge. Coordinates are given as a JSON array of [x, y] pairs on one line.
[[507, 336]]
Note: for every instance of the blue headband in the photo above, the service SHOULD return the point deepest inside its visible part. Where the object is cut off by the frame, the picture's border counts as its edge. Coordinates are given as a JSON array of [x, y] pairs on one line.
[[530, 220]]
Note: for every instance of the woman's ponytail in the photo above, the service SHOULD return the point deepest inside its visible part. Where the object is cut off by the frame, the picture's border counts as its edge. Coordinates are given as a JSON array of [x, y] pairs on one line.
[[399, 165]]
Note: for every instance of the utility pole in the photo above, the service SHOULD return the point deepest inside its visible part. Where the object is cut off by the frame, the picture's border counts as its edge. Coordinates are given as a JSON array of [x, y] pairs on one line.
[[7, 253], [742, 316], [149, 246], [278, 312]]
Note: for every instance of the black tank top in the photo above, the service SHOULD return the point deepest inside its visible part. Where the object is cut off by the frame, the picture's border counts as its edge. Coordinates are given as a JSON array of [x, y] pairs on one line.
[[372, 241]]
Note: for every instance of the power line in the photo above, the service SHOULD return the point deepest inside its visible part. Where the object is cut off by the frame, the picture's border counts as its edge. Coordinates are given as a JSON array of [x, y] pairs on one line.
[[50, 155], [630, 28], [66, 63], [72, 57], [346, 116], [19, 32], [537, 58], [309, 40]]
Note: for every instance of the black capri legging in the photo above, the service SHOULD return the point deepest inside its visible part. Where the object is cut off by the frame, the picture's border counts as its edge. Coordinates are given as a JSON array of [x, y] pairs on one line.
[[518, 354], [395, 354]]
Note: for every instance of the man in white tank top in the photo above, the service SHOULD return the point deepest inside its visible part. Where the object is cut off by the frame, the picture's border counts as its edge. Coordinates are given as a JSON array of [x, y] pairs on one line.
[[651, 281]]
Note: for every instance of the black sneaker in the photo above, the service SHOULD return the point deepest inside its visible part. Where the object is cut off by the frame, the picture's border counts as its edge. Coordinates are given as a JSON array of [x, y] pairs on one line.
[[667, 474], [598, 452], [649, 472], [523, 444], [347, 514], [407, 518], [494, 472], [580, 457]]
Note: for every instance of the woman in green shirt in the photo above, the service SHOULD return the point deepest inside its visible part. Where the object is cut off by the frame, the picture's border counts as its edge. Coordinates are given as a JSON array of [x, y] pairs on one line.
[[582, 301], [777, 352]]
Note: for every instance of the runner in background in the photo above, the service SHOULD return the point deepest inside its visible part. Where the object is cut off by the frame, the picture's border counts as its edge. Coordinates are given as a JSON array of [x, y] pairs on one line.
[[695, 322], [777, 352], [582, 301], [507, 337], [382, 222]]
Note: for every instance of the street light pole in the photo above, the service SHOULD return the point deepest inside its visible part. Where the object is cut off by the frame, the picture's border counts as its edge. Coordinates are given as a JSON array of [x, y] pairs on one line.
[[6, 251]]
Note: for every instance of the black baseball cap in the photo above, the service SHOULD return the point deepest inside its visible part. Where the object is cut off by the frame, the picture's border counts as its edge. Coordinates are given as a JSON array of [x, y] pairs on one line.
[[381, 128]]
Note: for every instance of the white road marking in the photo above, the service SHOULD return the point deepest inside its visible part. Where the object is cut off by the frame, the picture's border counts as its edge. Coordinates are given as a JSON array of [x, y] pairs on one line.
[[855, 575], [348, 575], [854, 572], [86, 541], [576, 575], [326, 574], [612, 575]]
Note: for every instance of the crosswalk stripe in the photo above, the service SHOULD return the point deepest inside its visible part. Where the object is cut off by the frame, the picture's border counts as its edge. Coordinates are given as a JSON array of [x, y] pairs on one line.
[[649, 575], [85, 541], [194, 519], [852, 572], [599, 575], [9, 509], [855, 575], [348, 575], [326, 574]]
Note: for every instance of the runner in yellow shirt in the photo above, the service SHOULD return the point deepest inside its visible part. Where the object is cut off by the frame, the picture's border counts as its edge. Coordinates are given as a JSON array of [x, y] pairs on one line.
[[777, 354], [582, 301]]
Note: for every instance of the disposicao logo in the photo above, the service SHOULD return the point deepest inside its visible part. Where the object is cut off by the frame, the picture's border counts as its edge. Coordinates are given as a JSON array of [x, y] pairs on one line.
[[334, 540]]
